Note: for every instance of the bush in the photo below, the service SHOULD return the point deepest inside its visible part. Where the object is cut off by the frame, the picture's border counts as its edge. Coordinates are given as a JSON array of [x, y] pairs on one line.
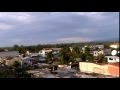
[[105, 61]]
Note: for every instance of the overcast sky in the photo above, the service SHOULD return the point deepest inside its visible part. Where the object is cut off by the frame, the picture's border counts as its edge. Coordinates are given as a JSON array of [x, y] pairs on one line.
[[26, 28]]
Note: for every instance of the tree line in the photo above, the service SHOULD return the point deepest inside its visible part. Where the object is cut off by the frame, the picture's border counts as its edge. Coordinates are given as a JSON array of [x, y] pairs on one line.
[[36, 48], [67, 56]]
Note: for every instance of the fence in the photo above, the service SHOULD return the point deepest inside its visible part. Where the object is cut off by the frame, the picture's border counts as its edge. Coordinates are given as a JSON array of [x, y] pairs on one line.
[[100, 69]]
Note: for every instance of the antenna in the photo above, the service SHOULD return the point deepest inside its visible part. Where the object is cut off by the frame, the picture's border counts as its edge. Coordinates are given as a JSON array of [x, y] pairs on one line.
[[114, 52]]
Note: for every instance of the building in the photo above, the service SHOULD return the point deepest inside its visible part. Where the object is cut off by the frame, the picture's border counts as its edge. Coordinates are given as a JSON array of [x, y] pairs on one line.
[[98, 52], [9, 54], [95, 53], [107, 52], [112, 59], [98, 46], [83, 49], [56, 49], [46, 50], [115, 45]]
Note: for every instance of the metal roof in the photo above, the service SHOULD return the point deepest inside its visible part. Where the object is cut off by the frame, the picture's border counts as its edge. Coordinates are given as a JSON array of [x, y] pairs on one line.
[[9, 53]]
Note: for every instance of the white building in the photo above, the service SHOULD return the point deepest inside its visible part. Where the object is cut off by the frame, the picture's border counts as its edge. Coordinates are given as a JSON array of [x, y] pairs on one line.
[[112, 59], [116, 45], [42, 53], [96, 53]]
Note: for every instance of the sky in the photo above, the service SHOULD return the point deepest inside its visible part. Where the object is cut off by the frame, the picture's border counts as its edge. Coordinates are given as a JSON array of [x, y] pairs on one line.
[[31, 28]]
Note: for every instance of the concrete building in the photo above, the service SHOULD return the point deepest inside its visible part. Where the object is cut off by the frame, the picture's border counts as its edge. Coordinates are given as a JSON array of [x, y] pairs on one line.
[[98, 46], [96, 53], [107, 52], [115, 45], [112, 59]]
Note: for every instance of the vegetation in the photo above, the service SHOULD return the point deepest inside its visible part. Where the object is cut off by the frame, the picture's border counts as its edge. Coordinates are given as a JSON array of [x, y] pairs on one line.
[[66, 56], [50, 57], [1, 49], [15, 71], [36, 48]]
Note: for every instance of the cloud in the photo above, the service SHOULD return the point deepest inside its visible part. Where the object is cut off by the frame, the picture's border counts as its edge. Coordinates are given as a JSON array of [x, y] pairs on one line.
[[18, 17], [46, 27], [4, 26], [16, 40], [94, 16], [74, 39]]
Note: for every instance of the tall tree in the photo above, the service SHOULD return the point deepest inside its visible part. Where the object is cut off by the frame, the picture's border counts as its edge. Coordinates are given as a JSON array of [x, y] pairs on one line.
[[16, 47], [22, 50], [83, 56], [65, 55], [49, 56], [87, 50]]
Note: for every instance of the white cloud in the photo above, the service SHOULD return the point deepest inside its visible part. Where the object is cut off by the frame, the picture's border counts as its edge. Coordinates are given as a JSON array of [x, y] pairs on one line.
[[88, 13], [23, 17], [85, 30], [47, 27], [94, 16], [19, 16], [5, 26], [16, 40], [74, 39]]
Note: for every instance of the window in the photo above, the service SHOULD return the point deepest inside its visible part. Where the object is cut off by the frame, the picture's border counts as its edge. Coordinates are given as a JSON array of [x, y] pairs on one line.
[[110, 58]]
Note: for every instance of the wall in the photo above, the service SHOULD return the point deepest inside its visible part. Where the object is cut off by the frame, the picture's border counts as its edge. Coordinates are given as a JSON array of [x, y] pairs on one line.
[[100, 69]]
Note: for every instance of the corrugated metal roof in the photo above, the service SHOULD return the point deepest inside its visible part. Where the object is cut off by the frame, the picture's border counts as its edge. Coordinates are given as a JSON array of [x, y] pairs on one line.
[[9, 53]]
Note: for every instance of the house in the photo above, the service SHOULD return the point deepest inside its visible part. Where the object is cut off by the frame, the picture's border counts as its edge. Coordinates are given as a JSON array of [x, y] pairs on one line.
[[95, 52], [98, 46], [9, 54], [42, 53], [39, 58], [107, 52], [56, 49], [115, 45], [46, 50], [34, 54], [83, 49], [112, 59]]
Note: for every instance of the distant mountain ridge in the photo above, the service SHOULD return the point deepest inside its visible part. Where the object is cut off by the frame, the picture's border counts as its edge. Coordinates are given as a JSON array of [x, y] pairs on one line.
[[109, 39]]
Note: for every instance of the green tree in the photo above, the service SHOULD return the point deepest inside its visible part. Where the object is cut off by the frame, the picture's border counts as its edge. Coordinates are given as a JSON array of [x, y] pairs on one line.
[[76, 52], [16, 47], [101, 58], [65, 54], [76, 49], [19, 71], [16, 64], [22, 50], [83, 56], [1, 49], [89, 58], [87, 50], [49, 56]]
